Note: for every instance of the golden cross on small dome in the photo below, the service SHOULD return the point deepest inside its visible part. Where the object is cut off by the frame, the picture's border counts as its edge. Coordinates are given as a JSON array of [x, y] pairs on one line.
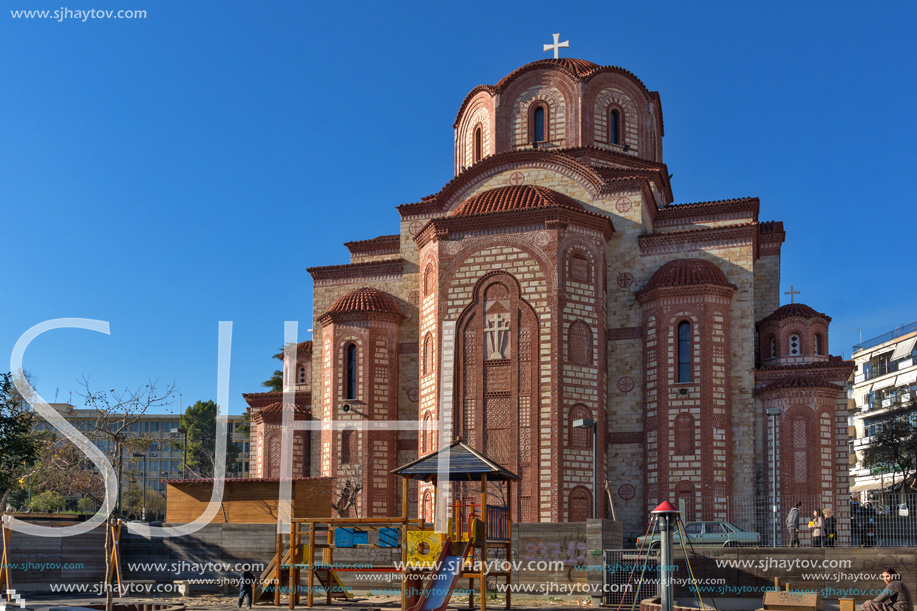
[[557, 46], [792, 293]]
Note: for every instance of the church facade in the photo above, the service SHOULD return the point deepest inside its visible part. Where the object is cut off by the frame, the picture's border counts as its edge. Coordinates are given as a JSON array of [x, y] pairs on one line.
[[554, 278]]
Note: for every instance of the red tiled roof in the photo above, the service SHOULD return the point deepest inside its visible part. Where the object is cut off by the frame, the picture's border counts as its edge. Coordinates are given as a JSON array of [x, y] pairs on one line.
[[384, 243], [577, 67], [800, 381], [521, 197], [277, 408], [687, 272], [799, 310], [233, 480], [366, 299]]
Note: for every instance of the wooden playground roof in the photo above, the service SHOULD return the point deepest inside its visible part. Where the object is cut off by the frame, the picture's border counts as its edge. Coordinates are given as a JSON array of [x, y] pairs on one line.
[[461, 463]]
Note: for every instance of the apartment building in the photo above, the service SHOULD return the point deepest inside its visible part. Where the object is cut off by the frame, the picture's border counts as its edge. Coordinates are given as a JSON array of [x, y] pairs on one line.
[[884, 387]]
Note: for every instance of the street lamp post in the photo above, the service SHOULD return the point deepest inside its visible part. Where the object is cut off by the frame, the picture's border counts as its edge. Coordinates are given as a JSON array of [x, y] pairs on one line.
[[774, 412], [143, 510], [184, 450], [586, 423]]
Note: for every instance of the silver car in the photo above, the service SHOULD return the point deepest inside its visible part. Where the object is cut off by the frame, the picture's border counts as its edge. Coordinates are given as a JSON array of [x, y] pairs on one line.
[[723, 534]]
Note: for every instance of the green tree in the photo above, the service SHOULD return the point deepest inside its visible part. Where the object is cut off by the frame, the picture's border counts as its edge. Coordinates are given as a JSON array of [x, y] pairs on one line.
[[200, 422], [894, 447], [47, 501], [275, 382], [18, 444]]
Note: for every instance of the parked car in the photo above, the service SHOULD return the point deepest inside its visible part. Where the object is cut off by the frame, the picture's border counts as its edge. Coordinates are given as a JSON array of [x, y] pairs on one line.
[[723, 534]]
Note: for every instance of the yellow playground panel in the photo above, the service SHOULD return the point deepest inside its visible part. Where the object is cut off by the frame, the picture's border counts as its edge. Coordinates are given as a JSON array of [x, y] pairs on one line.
[[473, 531]]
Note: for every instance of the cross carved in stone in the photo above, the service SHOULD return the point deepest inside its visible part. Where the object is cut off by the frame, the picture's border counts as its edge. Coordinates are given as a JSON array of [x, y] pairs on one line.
[[557, 46], [496, 330]]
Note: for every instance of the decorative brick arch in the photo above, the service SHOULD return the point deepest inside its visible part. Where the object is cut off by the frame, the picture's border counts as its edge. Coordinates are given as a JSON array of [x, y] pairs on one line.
[[580, 344], [496, 397], [604, 103], [545, 270], [579, 504], [555, 115], [429, 279], [480, 118], [684, 435], [798, 458]]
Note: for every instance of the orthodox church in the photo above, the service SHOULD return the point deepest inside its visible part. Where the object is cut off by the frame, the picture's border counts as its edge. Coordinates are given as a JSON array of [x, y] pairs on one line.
[[554, 279]]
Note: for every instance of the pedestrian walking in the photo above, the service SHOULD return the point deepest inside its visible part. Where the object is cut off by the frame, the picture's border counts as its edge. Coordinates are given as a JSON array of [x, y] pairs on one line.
[[792, 524]]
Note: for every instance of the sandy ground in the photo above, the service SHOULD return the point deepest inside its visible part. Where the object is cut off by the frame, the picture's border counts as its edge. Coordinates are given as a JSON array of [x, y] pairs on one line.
[[227, 602]]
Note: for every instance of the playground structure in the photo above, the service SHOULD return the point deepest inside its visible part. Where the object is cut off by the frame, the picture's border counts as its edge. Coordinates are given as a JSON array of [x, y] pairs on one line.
[[434, 562]]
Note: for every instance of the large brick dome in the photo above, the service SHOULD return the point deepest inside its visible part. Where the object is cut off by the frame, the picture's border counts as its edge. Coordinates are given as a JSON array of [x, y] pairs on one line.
[[522, 197], [687, 272], [577, 67], [365, 299]]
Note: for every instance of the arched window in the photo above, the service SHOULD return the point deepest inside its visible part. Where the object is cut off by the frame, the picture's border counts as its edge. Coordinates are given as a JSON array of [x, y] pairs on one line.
[[539, 126], [427, 354], [302, 375], [773, 347], [684, 435], [478, 144], [579, 344], [580, 505], [350, 372], [684, 352], [426, 434], [794, 345], [428, 279], [579, 268], [580, 438], [614, 126], [819, 344]]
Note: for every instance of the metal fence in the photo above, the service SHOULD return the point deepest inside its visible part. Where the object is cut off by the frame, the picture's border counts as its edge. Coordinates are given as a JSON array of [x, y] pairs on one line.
[[628, 574], [888, 520]]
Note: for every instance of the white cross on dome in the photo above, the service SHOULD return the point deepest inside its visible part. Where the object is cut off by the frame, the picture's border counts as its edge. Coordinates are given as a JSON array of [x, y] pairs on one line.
[[557, 46]]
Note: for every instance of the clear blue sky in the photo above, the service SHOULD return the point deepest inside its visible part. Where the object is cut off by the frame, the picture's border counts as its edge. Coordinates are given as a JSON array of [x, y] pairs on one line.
[[167, 173]]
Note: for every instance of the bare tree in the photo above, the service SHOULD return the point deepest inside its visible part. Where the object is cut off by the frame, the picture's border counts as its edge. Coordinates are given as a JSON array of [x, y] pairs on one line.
[[114, 413], [346, 490]]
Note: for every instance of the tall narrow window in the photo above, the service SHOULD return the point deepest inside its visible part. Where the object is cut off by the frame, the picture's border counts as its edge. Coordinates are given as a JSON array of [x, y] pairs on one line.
[[302, 375], [346, 443], [539, 124], [478, 144], [614, 126], [819, 347], [428, 354], [684, 352], [773, 347], [350, 372], [794, 345]]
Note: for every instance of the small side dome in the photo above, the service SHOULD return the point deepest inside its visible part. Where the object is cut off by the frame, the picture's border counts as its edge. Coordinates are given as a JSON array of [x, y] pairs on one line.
[[795, 310], [366, 299], [521, 197], [687, 272]]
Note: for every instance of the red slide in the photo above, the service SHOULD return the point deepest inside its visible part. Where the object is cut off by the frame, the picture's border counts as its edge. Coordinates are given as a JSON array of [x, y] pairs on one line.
[[441, 584]]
